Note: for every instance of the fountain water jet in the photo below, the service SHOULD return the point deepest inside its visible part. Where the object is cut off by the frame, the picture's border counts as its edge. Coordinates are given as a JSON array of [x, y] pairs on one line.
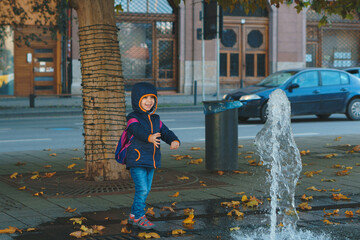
[[277, 149]]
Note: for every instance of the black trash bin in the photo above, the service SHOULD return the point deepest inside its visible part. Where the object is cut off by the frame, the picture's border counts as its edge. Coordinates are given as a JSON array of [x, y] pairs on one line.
[[221, 134]]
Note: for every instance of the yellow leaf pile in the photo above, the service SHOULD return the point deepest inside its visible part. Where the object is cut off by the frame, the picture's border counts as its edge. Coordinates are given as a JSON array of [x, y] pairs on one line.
[[339, 196], [148, 235], [77, 220], [85, 231]]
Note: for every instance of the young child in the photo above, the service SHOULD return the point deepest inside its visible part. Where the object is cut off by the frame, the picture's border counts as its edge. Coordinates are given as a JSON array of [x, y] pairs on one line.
[[143, 155]]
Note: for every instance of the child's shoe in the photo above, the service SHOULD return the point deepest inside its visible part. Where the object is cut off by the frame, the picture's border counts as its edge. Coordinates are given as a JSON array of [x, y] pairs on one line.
[[131, 218], [143, 223]]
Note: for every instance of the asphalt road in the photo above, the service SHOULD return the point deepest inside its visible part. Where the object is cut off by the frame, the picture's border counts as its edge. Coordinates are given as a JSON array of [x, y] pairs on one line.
[[37, 133]]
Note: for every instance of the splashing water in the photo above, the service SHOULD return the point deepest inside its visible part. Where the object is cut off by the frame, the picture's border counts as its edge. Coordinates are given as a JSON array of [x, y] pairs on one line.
[[277, 149]]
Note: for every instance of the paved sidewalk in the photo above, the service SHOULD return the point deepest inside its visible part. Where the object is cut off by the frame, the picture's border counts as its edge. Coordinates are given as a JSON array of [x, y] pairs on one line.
[[108, 203]]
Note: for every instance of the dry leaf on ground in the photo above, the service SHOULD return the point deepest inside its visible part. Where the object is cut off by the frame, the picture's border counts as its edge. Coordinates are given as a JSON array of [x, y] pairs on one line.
[[148, 235], [70, 210], [305, 206], [339, 196], [175, 194], [182, 178], [10, 230], [13, 175], [125, 230], [71, 166], [195, 161], [328, 222], [150, 211], [195, 148], [178, 232]]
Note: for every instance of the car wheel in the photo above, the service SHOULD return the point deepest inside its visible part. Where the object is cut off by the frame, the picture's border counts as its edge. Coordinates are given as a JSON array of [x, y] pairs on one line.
[[353, 110], [243, 119], [323, 116], [263, 113]]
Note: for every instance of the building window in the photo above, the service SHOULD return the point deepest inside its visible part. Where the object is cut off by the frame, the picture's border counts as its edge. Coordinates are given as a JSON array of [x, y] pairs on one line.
[[145, 6], [7, 63], [136, 46]]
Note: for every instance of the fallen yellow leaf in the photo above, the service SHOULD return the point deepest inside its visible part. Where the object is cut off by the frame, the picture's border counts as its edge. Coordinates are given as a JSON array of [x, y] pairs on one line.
[[31, 229], [343, 173], [305, 206], [71, 166], [125, 230], [49, 175], [338, 139], [234, 228], [333, 213], [280, 224], [244, 198], [246, 157], [175, 194], [148, 235], [252, 203], [196, 161], [150, 211], [77, 220], [76, 158], [52, 154], [178, 232], [240, 146], [328, 180], [189, 219], [13, 175], [183, 178], [22, 188], [356, 148], [328, 222], [78, 234], [240, 193], [36, 176], [305, 198], [315, 189], [166, 208], [236, 212], [331, 155], [195, 148], [241, 172], [10, 230], [349, 214], [47, 166], [38, 194], [188, 211], [98, 227], [70, 210], [339, 196], [335, 190], [220, 173], [357, 211]]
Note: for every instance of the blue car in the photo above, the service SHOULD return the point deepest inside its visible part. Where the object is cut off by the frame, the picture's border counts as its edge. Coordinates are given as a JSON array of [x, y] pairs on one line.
[[317, 91]]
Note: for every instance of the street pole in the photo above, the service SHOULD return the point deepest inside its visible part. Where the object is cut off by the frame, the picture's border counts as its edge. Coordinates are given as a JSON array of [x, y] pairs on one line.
[[202, 54], [218, 52]]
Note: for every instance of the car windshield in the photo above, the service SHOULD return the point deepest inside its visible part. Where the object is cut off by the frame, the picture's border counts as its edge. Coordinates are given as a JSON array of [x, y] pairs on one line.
[[276, 79]]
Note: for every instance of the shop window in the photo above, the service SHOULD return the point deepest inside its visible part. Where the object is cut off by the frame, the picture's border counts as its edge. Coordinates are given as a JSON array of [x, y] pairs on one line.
[[7, 63]]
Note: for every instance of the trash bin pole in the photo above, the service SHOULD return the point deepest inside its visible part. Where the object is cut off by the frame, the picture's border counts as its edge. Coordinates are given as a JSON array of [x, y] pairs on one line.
[[212, 141], [230, 139]]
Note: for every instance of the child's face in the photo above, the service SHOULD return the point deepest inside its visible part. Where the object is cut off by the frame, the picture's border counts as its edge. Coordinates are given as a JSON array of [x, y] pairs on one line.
[[147, 102]]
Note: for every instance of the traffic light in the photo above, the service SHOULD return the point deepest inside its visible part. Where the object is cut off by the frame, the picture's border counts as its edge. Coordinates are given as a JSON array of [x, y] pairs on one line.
[[210, 19]]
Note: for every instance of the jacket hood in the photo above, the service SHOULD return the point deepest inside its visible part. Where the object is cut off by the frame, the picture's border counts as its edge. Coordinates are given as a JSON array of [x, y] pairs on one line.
[[138, 92]]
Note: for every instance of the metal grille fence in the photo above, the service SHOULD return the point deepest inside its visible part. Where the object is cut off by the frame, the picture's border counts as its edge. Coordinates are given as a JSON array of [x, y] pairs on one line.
[[147, 38], [335, 45]]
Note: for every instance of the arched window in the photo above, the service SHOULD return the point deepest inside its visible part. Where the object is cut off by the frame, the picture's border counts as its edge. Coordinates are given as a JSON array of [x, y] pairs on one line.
[[145, 6]]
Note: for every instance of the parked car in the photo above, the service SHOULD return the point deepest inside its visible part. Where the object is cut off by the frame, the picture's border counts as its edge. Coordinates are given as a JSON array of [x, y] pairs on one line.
[[317, 91], [354, 71]]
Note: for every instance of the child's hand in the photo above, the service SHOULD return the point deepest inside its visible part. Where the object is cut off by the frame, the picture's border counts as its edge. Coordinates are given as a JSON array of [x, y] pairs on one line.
[[174, 145], [154, 138]]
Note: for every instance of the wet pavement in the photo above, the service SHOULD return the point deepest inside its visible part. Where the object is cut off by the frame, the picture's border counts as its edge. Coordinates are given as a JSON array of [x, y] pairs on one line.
[[107, 204]]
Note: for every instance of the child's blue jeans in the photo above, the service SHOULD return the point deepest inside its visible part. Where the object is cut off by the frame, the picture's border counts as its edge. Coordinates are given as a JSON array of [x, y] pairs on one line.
[[142, 178]]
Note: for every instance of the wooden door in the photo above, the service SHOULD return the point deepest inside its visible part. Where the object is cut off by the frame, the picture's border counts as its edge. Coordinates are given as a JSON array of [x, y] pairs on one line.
[[165, 79], [255, 56], [44, 70]]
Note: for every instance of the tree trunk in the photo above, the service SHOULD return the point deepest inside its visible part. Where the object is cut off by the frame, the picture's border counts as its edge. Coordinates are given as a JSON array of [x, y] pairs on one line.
[[102, 88]]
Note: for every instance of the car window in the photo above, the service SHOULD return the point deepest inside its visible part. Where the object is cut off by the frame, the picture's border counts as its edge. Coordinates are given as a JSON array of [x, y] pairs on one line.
[[276, 79], [344, 78], [307, 79], [354, 72], [330, 78]]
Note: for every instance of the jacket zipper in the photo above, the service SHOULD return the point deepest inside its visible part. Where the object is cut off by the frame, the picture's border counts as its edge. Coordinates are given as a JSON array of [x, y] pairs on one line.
[[152, 131]]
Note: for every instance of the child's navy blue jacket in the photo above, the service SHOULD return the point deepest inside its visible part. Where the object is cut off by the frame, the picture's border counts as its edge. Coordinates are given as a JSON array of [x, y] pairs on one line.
[[141, 152]]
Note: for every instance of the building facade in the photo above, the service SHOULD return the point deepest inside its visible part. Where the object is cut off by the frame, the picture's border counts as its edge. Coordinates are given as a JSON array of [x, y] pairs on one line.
[[161, 43]]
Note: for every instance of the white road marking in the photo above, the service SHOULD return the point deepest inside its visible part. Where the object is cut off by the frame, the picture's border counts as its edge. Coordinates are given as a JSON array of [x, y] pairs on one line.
[[188, 128], [250, 137], [5, 129], [305, 134], [26, 140]]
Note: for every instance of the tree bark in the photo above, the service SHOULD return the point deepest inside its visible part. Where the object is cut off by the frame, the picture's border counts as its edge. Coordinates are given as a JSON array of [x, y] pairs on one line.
[[102, 88]]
